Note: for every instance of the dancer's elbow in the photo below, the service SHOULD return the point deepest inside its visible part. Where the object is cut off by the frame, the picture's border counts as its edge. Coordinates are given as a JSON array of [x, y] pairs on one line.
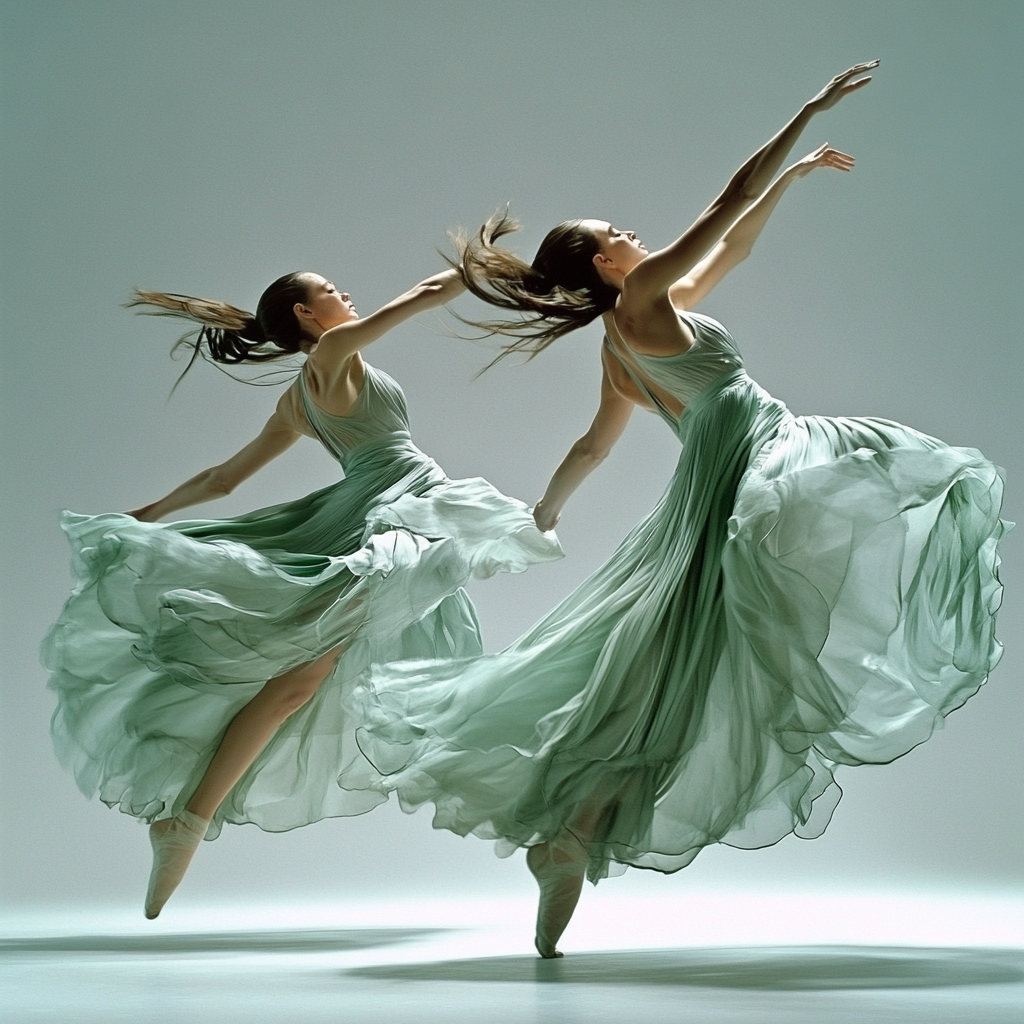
[[217, 483], [589, 452]]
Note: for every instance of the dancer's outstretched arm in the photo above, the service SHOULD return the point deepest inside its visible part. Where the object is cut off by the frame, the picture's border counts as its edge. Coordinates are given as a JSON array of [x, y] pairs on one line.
[[644, 312], [277, 436], [586, 454], [738, 241], [334, 348], [341, 342]]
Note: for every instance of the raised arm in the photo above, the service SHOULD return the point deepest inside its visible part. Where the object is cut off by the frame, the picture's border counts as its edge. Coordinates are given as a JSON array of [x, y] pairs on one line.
[[586, 454], [340, 343], [738, 241], [276, 437], [652, 278]]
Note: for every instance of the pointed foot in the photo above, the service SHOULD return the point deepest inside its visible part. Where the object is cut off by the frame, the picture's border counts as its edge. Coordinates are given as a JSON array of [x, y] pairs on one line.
[[174, 841], [559, 868], [548, 952]]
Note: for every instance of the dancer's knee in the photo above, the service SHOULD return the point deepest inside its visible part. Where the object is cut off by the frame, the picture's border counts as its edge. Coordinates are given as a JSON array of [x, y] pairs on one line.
[[292, 691], [290, 695]]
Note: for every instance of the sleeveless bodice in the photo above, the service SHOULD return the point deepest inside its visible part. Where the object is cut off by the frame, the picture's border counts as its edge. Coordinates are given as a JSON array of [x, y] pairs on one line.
[[378, 417], [712, 359]]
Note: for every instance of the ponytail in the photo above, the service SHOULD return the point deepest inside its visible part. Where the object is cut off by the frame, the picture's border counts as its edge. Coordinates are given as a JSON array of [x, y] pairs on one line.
[[228, 335], [560, 292]]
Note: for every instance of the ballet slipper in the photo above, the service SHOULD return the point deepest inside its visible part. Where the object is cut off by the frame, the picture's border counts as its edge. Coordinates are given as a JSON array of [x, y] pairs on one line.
[[174, 841], [559, 868]]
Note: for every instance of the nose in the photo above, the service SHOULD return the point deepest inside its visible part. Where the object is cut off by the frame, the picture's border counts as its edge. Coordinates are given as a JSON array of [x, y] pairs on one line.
[[344, 297]]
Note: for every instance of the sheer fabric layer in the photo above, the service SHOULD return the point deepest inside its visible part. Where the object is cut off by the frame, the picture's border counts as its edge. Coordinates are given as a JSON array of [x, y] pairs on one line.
[[809, 592], [172, 628]]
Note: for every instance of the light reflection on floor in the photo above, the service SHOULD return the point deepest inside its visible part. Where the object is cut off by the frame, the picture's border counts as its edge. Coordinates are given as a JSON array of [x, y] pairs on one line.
[[703, 958]]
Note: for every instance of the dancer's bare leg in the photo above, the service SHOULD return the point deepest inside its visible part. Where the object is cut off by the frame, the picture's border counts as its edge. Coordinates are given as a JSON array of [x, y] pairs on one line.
[[176, 839], [250, 730]]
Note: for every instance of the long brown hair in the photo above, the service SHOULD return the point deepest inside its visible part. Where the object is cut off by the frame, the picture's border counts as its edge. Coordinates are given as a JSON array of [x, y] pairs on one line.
[[228, 334], [559, 292]]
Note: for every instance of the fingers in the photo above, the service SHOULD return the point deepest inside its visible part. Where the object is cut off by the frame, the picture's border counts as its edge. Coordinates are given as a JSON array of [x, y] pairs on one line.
[[840, 165], [842, 84], [833, 158], [857, 69], [826, 156], [854, 86]]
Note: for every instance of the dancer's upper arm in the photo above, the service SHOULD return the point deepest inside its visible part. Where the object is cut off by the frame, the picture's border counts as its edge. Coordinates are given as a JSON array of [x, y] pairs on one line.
[[688, 291], [609, 422], [585, 454], [276, 437]]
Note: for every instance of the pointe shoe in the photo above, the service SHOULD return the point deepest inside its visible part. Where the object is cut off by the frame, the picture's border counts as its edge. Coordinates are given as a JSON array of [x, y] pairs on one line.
[[559, 868], [174, 841]]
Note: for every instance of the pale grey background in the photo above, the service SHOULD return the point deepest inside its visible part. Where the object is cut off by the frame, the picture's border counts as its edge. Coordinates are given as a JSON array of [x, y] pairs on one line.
[[208, 147]]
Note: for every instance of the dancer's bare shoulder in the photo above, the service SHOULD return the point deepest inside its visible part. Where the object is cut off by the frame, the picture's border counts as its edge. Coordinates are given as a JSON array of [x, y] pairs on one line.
[[651, 326]]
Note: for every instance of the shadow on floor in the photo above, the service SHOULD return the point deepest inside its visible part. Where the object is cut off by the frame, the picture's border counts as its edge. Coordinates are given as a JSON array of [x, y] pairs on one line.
[[290, 941], [776, 968]]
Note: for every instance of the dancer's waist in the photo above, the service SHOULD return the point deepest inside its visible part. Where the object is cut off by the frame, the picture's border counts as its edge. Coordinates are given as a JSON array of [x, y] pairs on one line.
[[394, 449], [733, 410], [736, 380]]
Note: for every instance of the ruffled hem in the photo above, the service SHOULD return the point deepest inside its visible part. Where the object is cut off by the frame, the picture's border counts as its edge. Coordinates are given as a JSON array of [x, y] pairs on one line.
[[497, 533], [706, 683], [167, 636]]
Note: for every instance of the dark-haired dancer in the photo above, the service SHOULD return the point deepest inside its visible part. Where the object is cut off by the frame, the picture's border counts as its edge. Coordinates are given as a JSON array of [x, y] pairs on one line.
[[809, 592], [200, 667]]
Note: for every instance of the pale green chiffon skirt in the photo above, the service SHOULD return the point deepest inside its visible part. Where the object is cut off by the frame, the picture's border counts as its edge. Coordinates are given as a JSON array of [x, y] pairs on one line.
[[809, 592], [173, 628]]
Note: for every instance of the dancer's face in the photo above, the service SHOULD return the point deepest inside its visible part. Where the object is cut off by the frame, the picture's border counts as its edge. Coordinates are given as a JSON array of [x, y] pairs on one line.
[[325, 307], [620, 250]]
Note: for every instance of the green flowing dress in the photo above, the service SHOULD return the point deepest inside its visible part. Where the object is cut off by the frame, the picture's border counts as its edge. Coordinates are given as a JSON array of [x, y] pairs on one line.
[[172, 628], [809, 592]]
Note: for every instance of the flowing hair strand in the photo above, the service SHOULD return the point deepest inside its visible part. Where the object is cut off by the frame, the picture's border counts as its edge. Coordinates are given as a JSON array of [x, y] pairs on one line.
[[227, 335], [558, 293]]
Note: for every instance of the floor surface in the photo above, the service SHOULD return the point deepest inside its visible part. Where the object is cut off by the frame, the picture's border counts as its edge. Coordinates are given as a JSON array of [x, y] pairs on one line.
[[293, 965]]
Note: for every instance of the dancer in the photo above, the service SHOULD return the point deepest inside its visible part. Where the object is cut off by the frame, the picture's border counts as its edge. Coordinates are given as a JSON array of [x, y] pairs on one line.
[[808, 592], [200, 666]]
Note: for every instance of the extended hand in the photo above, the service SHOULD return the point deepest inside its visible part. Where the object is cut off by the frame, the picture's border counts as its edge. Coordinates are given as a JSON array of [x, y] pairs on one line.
[[823, 156], [543, 520], [840, 86]]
